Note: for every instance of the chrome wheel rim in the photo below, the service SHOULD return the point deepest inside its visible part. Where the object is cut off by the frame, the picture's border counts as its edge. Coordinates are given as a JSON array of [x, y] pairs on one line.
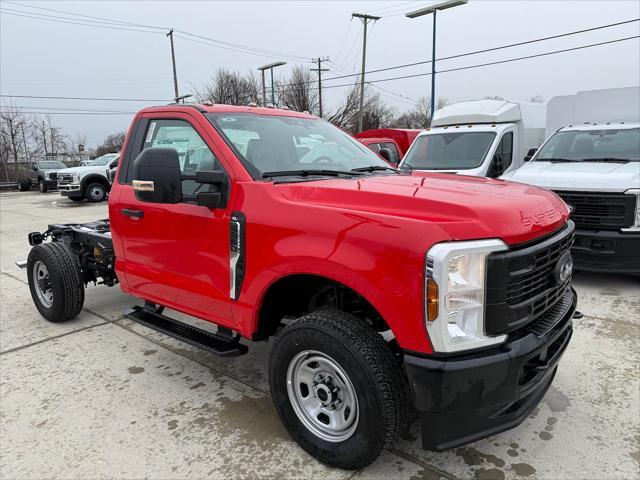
[[42, 284], [96, 193], [322, 396]]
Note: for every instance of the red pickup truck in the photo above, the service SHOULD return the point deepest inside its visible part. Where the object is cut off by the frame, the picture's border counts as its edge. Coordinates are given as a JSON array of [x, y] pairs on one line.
[[383, 291], [390, 143]]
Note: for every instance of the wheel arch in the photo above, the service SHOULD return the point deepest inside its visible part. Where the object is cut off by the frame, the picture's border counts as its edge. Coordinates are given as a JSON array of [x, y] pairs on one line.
[[293, 295], [94, 178]]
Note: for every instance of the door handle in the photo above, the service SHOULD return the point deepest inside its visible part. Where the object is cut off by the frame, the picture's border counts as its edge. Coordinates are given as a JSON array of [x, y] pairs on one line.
[[132, 213]]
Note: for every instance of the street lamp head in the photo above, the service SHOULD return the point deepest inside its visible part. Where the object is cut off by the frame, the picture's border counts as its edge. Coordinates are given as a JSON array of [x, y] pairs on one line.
[[436, 6], [271, 65]]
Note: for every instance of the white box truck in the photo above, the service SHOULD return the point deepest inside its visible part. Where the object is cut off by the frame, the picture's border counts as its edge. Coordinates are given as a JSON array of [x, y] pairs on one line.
[[592, 160], [479, 137]]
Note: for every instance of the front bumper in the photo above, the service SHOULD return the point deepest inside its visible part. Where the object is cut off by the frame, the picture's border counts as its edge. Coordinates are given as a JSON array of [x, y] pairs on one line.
[[51, 183], [605, 251], [462, 399], [70, 190]]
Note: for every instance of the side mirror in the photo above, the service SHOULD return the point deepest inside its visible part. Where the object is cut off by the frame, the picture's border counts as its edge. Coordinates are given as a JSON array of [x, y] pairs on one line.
[[156, 176], [530, 153], [386, 154], [34, 167], [497, 166]]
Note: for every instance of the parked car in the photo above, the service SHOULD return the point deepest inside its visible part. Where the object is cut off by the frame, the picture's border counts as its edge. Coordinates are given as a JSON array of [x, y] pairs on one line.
[[390, 143], [91, 182], [44, 174], [484, 138], [381, 290], [595, 168]]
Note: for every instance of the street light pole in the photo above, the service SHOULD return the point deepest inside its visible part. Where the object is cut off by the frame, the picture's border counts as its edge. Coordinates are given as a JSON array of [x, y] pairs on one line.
[[270, 67], [173, 61], [426, 11]]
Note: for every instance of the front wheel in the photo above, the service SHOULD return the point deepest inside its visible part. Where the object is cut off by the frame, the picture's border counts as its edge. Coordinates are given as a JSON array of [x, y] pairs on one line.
[[95, 192], [55, 281], [43, 186], [338, 388]]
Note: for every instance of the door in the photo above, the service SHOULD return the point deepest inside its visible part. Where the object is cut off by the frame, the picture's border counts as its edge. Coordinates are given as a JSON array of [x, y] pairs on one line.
[[502, 157], [177, 255]]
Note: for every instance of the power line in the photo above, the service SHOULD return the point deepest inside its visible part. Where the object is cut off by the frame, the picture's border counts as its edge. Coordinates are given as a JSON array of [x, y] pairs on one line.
[[66, 109], [493, 63], [486, 50], [83, 113], [88, 98], [33, 16]]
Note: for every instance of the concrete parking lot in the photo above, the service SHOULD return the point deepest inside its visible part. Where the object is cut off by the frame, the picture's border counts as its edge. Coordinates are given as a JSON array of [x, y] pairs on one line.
[[102, 397]]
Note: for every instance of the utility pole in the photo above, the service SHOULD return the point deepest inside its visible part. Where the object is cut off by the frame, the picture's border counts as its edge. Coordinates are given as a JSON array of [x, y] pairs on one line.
[[173, 60], [365, 20], [264, 90], [320, 70]]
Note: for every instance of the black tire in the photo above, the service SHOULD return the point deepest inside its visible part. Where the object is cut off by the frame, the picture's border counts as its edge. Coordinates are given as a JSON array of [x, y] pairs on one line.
[[64, 279], [95, 192], [375, 374], [42, 186], [24, 184]]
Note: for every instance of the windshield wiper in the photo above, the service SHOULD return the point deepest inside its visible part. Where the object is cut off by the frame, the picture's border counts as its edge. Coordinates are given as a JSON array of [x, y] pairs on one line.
[[608, 159], [306, 173], [373, 168], [559, 160]]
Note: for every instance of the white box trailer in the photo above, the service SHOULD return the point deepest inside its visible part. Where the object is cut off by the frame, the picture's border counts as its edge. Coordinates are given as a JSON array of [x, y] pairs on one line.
[[614, 105], [478, 137]]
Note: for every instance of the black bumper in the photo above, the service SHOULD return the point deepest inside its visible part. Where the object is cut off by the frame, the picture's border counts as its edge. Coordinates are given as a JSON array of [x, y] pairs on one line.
[[51, 183], [603, 251], [463, 399]]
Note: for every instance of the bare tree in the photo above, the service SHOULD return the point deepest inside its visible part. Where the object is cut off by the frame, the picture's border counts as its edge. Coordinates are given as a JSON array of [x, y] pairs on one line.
[[13, 121], [419, 116], [230, 88], [40, 132], [536, 99], [112, 144], [299, 91], [376, 113]]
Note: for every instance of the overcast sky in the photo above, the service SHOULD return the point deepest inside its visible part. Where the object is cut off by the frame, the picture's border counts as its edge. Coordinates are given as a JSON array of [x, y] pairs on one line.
[[45, 58]]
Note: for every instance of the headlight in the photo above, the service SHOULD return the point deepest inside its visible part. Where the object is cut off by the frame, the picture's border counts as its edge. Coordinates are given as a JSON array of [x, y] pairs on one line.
[[454, 295], [636, 222], [75, 178]]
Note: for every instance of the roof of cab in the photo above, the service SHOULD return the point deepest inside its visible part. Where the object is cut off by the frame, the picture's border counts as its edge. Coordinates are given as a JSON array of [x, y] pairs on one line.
[[216, 108], [600, 126]]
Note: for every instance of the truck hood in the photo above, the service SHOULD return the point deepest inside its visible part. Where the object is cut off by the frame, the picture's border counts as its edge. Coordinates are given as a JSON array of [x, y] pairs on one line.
[[583, 176], [465, 208], [88, 169]]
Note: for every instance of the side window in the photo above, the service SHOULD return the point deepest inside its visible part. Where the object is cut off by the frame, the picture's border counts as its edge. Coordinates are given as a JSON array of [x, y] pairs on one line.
[[503, 156], [193, 152]]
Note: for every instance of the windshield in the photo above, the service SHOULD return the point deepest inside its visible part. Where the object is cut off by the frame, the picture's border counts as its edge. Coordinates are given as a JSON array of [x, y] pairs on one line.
[[449, 151], [592, 145], [51, 165], [103, 160], [270, 143]]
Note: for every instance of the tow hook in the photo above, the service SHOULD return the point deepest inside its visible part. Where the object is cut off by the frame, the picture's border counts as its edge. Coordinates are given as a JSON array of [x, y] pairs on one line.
[[578, 315]]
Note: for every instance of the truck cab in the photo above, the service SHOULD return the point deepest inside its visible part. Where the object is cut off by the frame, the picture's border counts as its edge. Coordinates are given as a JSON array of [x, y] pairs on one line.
[[380, 291], [390, 143], [484, 138]]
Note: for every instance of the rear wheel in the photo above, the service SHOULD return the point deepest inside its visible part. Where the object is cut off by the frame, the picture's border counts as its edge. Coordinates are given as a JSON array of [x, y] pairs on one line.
[[43, 186], [95, 192], [338, 388], [24, 184], [55, 281]]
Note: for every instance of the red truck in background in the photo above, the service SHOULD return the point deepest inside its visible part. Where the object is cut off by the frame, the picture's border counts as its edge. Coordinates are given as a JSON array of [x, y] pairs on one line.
[[382, 290], [390, 143]]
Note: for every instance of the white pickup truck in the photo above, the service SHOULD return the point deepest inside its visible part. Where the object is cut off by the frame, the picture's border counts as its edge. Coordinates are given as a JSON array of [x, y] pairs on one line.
[[591, 158], [480, 137], [92, 181]]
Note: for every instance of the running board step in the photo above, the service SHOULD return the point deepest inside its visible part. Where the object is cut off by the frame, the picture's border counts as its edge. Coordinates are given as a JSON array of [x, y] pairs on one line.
[[195, 336]]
